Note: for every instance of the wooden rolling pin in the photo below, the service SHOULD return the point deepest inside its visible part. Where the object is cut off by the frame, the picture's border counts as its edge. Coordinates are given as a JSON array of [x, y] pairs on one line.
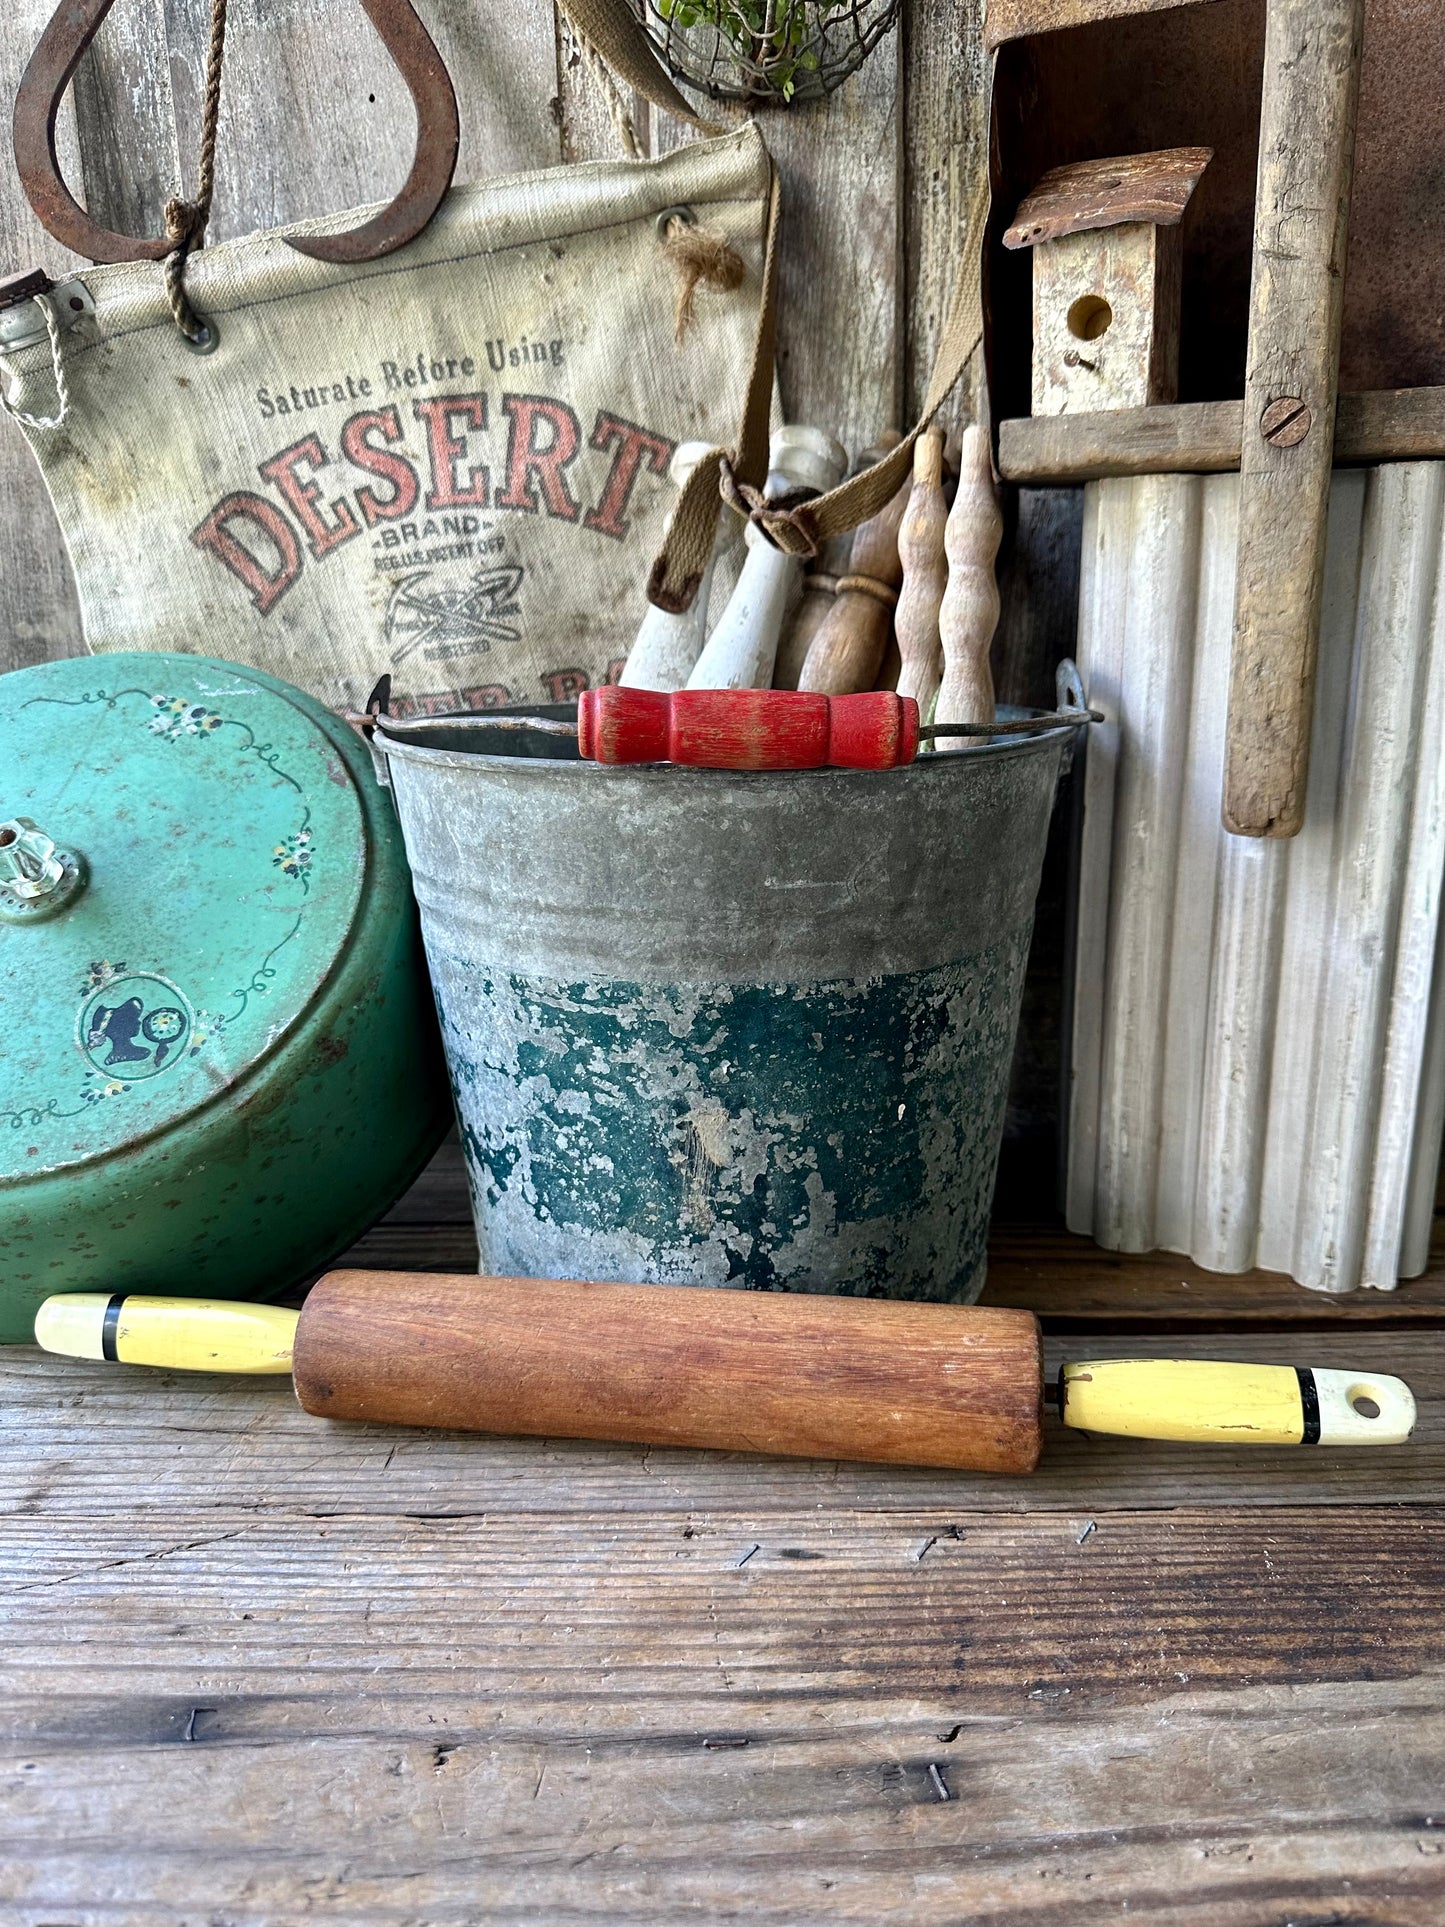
[[925, 576], [969, 614], [738, 1371], [846, 653]]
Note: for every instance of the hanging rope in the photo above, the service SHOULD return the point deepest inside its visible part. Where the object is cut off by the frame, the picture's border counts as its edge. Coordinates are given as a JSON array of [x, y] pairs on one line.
[[62, 386], [606, 82], [186, 220]]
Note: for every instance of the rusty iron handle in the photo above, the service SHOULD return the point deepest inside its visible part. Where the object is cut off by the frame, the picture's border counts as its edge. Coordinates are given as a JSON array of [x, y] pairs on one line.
[[438, 135], [59, 52]]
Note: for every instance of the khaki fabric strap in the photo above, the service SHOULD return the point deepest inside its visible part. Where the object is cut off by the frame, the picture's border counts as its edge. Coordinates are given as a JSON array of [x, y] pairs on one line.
[[692, 528], [615, 31], [740, 476]]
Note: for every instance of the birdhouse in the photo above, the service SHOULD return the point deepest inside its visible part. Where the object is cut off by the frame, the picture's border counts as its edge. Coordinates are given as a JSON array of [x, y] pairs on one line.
[[1107, 257]]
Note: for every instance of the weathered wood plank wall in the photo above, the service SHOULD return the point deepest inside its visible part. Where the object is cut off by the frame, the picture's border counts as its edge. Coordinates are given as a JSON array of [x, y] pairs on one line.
[[315, 118]]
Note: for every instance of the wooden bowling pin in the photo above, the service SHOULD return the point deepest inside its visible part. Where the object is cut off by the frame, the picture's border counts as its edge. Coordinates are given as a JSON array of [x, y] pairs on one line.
[[667, 645], [891, 669], [847, 652], [820, 585], [969, 614], [925, 574], [742, 649]]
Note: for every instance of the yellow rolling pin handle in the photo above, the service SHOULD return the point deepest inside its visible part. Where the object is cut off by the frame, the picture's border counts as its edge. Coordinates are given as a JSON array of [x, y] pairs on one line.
[[1213, 1402], [185, 1334]]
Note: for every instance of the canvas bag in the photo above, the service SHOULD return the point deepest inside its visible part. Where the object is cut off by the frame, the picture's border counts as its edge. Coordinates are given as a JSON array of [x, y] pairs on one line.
[[449, 463], [449, 607]]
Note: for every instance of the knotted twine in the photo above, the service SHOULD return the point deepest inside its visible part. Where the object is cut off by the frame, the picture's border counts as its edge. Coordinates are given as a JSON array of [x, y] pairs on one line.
[[186, 220], [804, 528], [697, 255], [57, 362]]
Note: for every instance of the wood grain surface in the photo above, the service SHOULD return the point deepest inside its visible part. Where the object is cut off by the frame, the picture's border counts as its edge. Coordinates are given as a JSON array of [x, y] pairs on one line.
[[176, 1437], [1296, 305], [261, 1668], [1203, 438], [1007, 19], [1098, 194], [968, 614], [944, 135], [886, 1807], [1106, 320], [776, 1373], [846, 653], [924, 563]]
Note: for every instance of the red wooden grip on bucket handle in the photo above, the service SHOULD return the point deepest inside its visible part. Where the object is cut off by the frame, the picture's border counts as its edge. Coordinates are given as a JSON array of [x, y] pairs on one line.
[[747, 728]]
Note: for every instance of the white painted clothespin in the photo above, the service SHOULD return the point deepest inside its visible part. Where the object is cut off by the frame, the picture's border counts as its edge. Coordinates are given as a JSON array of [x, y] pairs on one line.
[[741, 650], [667, 645]]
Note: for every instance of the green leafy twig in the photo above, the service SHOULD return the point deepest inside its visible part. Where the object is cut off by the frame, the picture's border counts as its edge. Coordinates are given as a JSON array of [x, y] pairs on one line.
[[774, 40]]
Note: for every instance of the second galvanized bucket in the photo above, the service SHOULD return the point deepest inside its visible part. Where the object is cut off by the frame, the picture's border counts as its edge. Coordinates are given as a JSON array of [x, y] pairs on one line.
[[725, 1028]]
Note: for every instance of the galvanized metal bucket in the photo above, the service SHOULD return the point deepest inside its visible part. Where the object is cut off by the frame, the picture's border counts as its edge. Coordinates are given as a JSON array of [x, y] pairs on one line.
[[725, 1028]]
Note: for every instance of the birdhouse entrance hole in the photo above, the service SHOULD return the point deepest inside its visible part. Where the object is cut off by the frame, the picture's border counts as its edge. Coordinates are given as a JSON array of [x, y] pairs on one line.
[[1089, 317]]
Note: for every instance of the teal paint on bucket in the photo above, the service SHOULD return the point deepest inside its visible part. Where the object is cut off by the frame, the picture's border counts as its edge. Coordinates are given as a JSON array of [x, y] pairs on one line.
[[746, 1029]]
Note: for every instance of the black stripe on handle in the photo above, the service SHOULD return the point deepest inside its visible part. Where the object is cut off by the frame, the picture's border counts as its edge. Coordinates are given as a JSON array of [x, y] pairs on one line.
[[109, 1326], [1309, 1399]]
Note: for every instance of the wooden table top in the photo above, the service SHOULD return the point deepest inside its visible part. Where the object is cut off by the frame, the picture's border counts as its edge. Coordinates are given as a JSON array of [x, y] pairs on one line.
[[258, 1668]]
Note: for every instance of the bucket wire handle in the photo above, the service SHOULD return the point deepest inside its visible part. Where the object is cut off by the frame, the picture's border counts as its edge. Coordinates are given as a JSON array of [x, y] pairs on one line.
[[1069, 688], [1073, 707], [739, 729]]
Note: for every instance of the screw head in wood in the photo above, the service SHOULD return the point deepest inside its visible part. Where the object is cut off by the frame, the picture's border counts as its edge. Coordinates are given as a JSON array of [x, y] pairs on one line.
[[1286, 421]]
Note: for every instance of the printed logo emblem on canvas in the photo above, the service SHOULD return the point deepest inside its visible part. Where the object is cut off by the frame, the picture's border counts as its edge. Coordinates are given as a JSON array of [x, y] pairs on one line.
[[431, 615], [435, 465]]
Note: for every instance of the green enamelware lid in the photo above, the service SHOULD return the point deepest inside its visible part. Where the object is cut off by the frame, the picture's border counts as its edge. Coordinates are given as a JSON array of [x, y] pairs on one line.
[[182, 859]]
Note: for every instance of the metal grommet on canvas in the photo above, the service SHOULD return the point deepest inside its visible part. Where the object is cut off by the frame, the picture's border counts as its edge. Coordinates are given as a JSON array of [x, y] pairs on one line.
[[206, 340]]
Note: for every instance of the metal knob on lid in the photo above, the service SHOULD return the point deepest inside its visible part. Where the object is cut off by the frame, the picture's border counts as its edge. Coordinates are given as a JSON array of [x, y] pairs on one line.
[[220, 1063], [36, 877]]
